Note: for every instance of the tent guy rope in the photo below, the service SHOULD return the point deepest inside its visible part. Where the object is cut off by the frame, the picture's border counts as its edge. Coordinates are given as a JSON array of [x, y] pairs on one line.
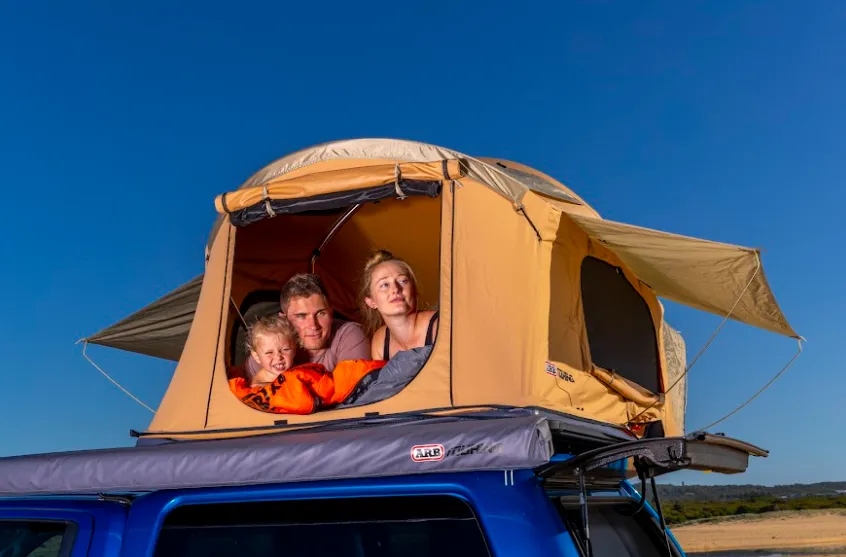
[[761, 390], [109, 377]]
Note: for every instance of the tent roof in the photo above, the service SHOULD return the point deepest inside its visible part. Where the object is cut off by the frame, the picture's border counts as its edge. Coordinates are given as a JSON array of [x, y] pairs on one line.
[[521, 441], [510, 180]]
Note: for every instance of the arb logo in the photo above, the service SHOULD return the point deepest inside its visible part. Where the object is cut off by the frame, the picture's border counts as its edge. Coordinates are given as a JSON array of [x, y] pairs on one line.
[[424, 453]]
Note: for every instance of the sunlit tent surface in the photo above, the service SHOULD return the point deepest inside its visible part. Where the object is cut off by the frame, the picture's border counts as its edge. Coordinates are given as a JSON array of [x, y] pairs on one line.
[[542, 302]]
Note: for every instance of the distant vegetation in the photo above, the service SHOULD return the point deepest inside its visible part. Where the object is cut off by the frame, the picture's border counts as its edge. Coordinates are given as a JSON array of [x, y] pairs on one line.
[[677, 512], [695, 502], [735, 492]]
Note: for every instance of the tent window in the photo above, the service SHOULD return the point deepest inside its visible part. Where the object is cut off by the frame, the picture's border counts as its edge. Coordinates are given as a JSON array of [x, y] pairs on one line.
[[619, 324], [270, 251]]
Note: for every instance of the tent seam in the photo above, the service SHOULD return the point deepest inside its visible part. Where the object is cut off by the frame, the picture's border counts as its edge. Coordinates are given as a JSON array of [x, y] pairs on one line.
[[452, 291]]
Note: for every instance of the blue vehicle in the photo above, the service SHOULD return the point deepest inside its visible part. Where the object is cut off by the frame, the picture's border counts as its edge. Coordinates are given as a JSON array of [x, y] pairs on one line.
[[500, 483]]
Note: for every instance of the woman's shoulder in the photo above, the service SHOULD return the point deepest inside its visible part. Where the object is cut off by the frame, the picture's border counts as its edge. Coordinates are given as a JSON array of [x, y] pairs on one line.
[[428, 321], [377, 343], [379, 335], [426, 316]]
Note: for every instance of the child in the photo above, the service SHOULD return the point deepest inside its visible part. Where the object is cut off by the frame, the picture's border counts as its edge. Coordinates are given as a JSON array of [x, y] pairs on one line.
[[272, 343], [278, 386]]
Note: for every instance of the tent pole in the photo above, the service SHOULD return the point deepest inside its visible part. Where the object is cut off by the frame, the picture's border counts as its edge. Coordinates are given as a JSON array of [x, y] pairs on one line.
[[332, 231]]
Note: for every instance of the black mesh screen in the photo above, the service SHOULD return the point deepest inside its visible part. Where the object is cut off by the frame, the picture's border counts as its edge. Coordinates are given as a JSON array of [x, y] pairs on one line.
[[619, 326]]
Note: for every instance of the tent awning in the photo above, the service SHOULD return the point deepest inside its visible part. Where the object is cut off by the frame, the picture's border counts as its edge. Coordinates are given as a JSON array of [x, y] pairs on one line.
[[159, 329], [719, 278]]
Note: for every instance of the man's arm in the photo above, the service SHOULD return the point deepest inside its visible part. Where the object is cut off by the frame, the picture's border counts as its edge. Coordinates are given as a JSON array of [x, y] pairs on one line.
[[351, 343]]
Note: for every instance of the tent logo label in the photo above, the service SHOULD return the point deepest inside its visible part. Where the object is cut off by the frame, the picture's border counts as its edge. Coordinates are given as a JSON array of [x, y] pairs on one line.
[[565, 376], [427, 453], [560, 373]]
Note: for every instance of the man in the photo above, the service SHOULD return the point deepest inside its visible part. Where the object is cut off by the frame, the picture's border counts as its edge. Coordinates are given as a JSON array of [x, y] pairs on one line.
[[324, 339]]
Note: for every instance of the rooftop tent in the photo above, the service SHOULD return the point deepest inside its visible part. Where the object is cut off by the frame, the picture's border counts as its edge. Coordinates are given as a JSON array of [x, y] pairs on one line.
[[542, 302]]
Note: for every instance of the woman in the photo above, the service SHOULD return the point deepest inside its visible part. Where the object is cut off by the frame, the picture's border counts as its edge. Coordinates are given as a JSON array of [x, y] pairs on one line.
[[389, 308]]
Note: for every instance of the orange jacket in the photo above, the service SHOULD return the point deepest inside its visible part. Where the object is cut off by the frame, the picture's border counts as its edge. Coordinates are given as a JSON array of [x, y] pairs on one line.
[[306, 388]]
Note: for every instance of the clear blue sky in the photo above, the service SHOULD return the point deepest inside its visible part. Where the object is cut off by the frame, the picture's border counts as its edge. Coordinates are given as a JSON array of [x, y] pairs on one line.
[[716, 119]]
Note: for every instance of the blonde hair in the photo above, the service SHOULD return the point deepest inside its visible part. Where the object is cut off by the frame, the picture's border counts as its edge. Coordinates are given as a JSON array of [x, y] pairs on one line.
[[371, 318], [273, 324]]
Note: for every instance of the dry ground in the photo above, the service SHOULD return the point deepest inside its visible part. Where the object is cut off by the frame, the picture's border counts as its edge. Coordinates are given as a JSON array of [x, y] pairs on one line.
[[793, 531]]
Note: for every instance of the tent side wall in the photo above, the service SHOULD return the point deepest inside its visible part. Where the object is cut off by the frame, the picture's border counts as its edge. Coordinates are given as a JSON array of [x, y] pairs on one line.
[[495, 300], [519, 331]]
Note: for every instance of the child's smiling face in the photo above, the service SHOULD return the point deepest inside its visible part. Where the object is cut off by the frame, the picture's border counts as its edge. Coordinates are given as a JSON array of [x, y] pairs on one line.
[[274, 352]]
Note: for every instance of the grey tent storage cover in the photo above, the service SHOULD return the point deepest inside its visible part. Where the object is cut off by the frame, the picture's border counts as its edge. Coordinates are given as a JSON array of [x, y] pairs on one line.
[[433, 445]]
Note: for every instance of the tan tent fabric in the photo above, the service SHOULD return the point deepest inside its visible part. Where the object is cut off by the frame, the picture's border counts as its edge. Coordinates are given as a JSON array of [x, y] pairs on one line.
[[158, 330], [499, 251], [705, 275]]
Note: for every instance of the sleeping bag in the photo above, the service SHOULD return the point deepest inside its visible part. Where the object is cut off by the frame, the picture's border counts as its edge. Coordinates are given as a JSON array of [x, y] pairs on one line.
[[391, 379], [307, 388]]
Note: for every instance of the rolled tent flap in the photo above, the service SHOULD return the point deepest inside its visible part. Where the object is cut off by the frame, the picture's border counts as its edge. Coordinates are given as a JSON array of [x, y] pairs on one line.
[[710, 276], [159, 329], [323, 183]]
